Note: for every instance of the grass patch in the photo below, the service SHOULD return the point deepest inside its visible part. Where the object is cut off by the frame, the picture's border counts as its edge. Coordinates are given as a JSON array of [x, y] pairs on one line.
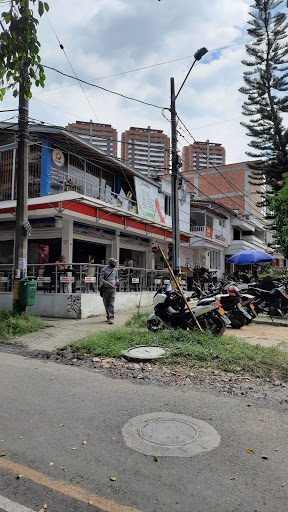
[[138, 321], [191, 348], [12, 326]]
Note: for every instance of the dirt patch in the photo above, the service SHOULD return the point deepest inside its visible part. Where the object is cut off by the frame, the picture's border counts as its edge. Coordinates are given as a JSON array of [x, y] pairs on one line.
[[267, 335]]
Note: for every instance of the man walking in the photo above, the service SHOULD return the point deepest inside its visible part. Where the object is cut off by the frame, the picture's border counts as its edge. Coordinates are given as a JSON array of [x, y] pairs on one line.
[[109, 281]]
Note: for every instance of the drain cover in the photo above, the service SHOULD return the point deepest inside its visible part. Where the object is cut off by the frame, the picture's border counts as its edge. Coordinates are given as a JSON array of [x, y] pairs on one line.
[[143, 352], [168, 432], [169, 435]]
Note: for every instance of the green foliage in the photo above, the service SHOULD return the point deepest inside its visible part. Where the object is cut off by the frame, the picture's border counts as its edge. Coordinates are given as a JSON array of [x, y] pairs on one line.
[[12, 325], [279, 205], [19, 48], [192, 349], [265, 87]]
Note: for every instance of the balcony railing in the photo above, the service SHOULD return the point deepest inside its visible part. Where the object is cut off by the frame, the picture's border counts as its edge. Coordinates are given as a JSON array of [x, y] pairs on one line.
[[80, 278], [210, 233]]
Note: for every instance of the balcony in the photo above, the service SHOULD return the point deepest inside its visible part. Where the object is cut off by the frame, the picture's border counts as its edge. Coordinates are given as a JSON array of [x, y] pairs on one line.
[[210, 233], [250, 242]]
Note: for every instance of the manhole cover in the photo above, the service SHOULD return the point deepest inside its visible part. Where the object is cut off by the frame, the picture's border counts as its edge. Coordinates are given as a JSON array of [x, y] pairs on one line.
[[168, 432], [145, 353]]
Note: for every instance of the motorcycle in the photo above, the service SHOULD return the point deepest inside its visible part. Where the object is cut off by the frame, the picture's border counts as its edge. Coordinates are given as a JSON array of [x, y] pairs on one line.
[[234, 309], [270, 299], [170, 311]]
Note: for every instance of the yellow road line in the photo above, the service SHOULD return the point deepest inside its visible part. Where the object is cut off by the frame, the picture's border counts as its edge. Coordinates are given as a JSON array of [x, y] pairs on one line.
[[69, 490]]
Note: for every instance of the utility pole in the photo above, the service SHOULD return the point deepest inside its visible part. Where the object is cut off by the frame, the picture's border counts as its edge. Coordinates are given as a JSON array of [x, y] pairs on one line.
[[174, 186], [22, 224], [175, 166]]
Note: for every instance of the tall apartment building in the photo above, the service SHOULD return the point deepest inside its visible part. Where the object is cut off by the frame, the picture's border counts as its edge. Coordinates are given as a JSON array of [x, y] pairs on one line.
[[201, 155], [102, 135], [146, 150]]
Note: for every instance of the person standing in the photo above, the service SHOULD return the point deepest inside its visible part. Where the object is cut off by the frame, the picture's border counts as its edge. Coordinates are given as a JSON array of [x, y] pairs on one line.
[[61, 270], [90, 272], [109, 280]]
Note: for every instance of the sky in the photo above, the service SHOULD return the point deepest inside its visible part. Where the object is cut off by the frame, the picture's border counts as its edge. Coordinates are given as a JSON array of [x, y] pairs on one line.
[[110, 37]]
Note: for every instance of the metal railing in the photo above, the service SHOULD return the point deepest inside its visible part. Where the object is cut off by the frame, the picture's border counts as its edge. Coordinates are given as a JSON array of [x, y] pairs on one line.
[[85, 278]]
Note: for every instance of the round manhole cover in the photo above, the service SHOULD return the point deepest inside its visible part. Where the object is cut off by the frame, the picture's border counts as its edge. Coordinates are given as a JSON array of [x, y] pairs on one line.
[[168, 432], [145, 353]]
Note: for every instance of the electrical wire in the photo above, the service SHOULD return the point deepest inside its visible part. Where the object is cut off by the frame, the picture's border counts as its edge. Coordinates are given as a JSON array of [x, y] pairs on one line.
[[236, 189], [79, 82], [103, 88], [153, 65]]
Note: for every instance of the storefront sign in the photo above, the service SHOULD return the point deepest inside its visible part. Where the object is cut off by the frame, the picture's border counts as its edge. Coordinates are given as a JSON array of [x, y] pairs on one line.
[[135, 280], [150, 202], [166, 281], [44, 279], [182, 282], [58, 157], [89, 279], [157, 281], [3, 279], [85, 229], [209, 232]]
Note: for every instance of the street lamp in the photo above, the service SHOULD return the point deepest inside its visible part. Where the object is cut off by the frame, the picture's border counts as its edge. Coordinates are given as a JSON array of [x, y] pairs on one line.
[[176, 164]]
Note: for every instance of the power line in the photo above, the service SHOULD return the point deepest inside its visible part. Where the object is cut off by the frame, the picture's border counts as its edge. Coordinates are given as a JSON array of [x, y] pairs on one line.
[[236, 189], [62, 48], [153, 65], [102, 88]]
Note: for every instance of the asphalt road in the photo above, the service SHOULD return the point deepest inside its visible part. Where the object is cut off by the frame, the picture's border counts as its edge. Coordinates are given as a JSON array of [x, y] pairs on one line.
[[60, 428]]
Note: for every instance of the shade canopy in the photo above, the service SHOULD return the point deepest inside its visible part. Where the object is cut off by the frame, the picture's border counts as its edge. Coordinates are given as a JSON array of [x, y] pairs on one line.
[[249, 256]]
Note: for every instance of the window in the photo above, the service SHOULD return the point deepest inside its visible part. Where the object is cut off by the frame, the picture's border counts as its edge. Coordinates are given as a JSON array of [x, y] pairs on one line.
[[167, 206], [214, 260]]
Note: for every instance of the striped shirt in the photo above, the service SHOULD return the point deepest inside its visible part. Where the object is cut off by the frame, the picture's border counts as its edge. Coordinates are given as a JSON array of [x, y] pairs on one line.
[[109, 275]]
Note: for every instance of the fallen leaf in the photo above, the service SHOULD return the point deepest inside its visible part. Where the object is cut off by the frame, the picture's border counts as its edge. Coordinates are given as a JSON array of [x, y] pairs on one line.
[[156, 459], [283, 485], [250, 450], [20, 437], [45, 505], [89, 502], [276, 449], [3, 455], [84, 442], [233, 478], [19, 476], [264, 457], [249, 405], [113, 478], [51, 463], [62, 425], [30, 421], [73, 448]]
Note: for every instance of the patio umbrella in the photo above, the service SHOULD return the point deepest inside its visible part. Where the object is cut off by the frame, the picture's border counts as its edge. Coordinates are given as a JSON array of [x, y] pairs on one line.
[[250, 256]]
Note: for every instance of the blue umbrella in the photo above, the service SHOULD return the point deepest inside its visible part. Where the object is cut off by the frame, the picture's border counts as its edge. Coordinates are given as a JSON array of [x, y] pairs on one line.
[[250, 256]]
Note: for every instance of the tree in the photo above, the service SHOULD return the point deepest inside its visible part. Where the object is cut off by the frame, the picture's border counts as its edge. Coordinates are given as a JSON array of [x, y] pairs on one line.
[[19, 48], [279, 206], [265, 87]]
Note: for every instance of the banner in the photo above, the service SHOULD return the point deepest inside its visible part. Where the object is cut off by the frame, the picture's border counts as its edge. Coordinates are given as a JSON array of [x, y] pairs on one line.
[[150, 201]]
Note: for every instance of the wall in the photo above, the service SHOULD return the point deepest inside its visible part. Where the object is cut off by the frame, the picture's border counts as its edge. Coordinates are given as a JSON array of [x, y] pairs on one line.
[[66, 305]]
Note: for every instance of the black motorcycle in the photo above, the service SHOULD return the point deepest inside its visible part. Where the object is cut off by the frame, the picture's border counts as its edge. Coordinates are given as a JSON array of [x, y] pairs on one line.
[[270, 298], [233, 306]]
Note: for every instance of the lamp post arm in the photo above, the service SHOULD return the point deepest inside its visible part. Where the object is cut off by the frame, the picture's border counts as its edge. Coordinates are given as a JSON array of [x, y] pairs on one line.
[[185, 80]]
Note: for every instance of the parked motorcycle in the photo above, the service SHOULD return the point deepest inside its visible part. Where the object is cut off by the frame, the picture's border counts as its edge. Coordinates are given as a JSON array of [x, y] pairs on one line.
[[232, 304], [270, 298], [170, 311]]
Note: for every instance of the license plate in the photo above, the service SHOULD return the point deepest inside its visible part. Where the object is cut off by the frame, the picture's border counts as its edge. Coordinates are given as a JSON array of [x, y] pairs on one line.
[[226, 319]]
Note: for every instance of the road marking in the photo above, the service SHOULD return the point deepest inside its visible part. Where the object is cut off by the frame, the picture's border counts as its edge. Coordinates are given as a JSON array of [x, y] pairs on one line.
[[11, 506], [69, 490]]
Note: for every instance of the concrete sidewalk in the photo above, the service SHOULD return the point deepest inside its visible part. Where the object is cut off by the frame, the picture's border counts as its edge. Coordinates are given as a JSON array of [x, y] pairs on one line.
[[63, 331]]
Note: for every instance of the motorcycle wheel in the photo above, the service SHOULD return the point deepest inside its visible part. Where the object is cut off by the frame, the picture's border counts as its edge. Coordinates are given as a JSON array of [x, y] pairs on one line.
[[155, 325], [238, 320], [216, 325], [213, 324]]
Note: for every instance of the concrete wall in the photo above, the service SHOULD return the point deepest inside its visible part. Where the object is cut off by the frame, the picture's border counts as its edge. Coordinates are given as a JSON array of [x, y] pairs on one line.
[[66, 305]]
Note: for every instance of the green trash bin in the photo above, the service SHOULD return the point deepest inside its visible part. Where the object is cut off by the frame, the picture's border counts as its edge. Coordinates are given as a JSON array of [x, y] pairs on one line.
[[27, 291]]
